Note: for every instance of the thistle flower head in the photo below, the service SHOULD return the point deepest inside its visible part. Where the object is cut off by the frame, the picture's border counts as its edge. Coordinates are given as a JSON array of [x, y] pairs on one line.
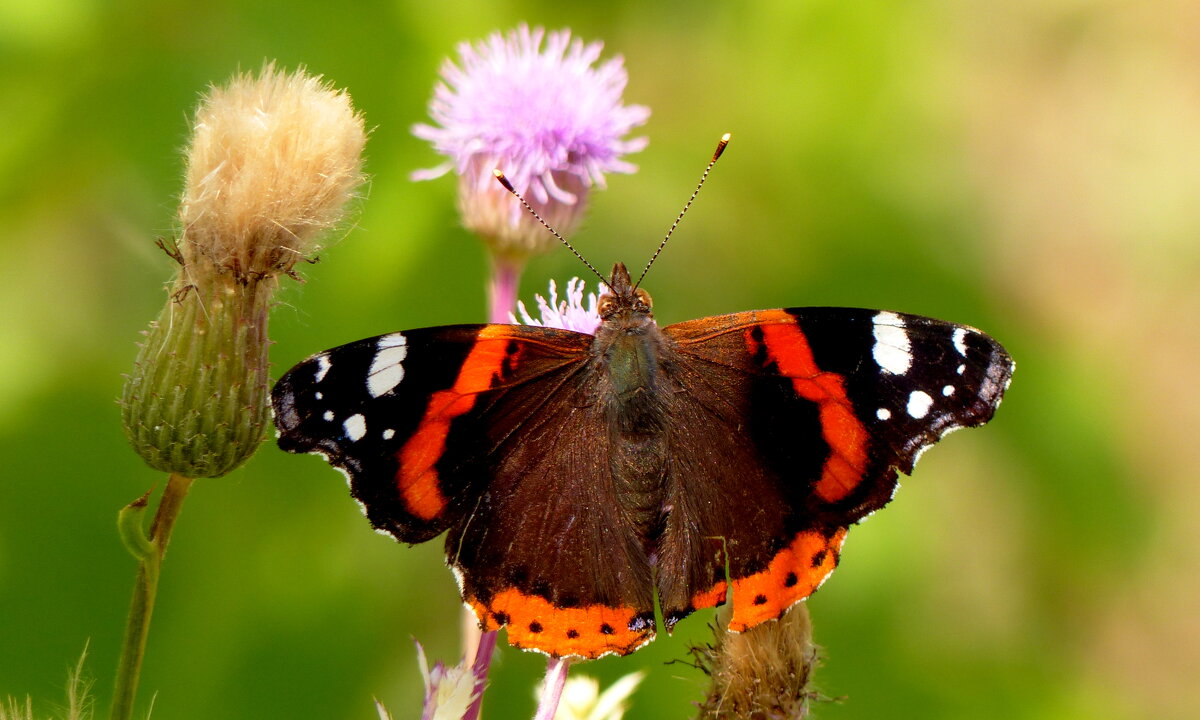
[[546, 115], [566, 314], [272, 160]]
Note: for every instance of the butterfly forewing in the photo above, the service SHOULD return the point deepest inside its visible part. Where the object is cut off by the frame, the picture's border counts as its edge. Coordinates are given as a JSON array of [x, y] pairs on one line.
[[382, 410]]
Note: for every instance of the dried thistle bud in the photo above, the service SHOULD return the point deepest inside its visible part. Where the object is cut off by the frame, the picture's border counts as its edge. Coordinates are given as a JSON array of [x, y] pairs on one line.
[[762, 673], [272, 162]]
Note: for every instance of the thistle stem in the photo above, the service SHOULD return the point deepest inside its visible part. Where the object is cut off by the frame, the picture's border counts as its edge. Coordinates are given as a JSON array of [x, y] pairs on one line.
[[484, 649], [502, 288], [145, 588], [552, 688]]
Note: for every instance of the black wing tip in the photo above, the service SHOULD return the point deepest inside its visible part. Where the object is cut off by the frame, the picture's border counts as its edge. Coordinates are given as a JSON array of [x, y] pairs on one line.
[[290, 415]]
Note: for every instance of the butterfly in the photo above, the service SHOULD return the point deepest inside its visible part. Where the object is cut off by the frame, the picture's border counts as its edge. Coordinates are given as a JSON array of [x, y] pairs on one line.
[[579, 477]]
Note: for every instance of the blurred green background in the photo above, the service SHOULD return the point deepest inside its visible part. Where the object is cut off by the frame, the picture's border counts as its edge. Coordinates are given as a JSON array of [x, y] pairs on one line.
[[1028, 167]]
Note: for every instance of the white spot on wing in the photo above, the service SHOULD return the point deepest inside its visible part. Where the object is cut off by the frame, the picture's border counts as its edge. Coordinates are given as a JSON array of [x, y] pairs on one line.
[[892, 350], [883, 414], [389, 434], [328, 416], [323, 366], [960, 336], [387, 367], [948, 390], [919, 403], [356, 427], [961, 369]]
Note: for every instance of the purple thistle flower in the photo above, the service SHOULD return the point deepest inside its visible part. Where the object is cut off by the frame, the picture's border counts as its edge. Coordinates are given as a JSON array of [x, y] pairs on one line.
[[567, 314], [548, 117]]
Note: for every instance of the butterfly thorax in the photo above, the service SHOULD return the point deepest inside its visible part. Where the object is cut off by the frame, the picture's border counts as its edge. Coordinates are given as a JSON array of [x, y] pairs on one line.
[[632, 350]]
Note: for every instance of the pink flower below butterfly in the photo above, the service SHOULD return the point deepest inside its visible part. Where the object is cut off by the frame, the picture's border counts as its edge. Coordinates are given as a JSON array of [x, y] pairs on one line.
[[567, 314], [548, 117]]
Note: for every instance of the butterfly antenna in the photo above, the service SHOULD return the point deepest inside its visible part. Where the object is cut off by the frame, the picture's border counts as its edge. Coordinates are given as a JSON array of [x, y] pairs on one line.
[[716, 156], [508, 186]]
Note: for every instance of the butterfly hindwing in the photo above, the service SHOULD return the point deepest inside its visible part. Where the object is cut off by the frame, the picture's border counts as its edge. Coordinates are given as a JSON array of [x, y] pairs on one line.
[[548, 550]]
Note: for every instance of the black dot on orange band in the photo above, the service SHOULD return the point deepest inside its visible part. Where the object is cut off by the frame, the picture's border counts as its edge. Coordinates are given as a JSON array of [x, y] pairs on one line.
[[837, 558], [818, 558], [501, 618], [606, 629], [790, 580], [511, 350], [760, 599], [572, 633], [535, 627]]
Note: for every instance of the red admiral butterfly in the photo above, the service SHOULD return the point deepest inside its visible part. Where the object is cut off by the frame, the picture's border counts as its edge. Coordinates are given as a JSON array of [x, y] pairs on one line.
[[578, 474]]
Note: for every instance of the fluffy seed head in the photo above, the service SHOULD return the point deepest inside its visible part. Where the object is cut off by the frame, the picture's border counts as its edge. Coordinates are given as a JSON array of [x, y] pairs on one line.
[[273, 160], [761, 673]]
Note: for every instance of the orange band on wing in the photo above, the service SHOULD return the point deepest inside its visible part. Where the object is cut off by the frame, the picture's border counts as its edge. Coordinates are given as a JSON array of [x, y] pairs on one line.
[[711, 597], [843, 432], [417, 477], [792, 575], [587, 631]]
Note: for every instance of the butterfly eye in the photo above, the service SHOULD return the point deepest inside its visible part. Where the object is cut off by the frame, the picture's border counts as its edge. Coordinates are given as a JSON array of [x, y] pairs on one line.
[[607, 305], [644, 299]]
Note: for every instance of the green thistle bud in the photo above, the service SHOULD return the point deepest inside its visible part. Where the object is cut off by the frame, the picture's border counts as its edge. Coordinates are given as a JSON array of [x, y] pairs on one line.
[[272, 162], [195, 403]]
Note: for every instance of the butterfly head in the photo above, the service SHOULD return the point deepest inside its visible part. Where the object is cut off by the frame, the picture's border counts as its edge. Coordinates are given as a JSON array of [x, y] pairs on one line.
[[624, 303]]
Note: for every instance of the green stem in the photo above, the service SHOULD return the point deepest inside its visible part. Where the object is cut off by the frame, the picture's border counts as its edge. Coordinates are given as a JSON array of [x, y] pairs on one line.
[[145, 589]]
